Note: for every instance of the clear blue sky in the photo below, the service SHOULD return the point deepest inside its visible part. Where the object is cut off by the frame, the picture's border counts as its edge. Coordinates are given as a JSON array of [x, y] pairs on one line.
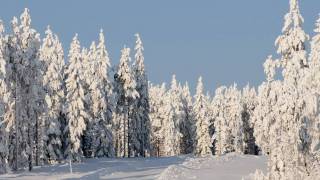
[[225, 41]]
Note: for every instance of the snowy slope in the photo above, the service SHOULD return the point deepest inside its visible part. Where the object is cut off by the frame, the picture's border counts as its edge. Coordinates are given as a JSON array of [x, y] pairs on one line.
[[228, 167], [184, 167]]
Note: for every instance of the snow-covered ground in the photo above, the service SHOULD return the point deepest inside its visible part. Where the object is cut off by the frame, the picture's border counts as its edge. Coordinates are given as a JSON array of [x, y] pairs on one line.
[[231, 167]]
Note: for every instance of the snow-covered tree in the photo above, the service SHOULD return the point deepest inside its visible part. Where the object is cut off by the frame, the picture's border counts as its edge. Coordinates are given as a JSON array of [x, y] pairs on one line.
[[187, 127], [291, 44], [125, 138], [289, 120], [264, 115], [175, 115], [281, 118], [24, 72], [201, 111], [233, 116], [76, 112], [157, 116], [88, 57], [219, 138], [314, 59], [229, 132], [99, 100], [309, 131], [142, 103], [4, 124], [248, 102], [53, 58]]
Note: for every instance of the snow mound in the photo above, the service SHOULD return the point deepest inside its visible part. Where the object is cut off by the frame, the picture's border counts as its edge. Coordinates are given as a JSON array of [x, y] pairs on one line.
[[228, 167], [172, 172]]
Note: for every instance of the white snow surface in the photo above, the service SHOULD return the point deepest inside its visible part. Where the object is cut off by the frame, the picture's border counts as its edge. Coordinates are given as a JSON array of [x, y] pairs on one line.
[[226, 167]]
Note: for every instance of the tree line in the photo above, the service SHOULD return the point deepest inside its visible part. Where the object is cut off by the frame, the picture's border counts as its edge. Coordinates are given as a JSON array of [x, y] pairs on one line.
[[53, 111]]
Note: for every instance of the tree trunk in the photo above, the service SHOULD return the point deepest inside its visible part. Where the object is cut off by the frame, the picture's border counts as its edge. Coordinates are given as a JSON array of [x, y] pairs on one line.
[[15, 168], [31, 148], [37, 141]]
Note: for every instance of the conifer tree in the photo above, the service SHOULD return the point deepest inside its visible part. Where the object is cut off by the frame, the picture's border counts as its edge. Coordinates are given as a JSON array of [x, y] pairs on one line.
[[99, 89], [157, 117], [187, 128], [315, 47], [248, 101], [285, 107], [26, 100], [219, 137], [142, 103], [89, 58], [53, 58], [4, 123], [126, 94], [174, 114], [201, 110], [76, 113], [228, 135]]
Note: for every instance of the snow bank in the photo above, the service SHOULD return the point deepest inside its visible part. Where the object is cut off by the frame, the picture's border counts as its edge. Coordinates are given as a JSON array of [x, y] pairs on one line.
[[231, 166], [228, 167]]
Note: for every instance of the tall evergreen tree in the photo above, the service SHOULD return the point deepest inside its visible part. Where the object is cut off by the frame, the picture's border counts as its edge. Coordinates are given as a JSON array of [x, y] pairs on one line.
[[229, 133], [25, 76], [142, 103], [4, 123], [201, 110], [88, 60], [157, 117], [53, 58], [234, 109], [291, 43], [175, 115], [99, 89], [187, 128], [248, 102], [314, 59], [285, 126], [126, 94], [76, 113]]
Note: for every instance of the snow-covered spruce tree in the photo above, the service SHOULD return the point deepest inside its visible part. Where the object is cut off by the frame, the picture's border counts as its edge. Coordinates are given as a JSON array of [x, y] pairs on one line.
[[53, 58], [25, 88], [291, 103], [157, 117], [88, 58], [309, 131], [314, 58], [228, 135], [312, 82], [187, 127], [233, 116], [175, 115], [76, 113], [10, 111], [264, 115], [211, 115], [200, 110], [248, 101], [291, 44], [125, 91], [142, 102], [310, 126], [4, 123], [287, 129], [99, 100], [220, 142]]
